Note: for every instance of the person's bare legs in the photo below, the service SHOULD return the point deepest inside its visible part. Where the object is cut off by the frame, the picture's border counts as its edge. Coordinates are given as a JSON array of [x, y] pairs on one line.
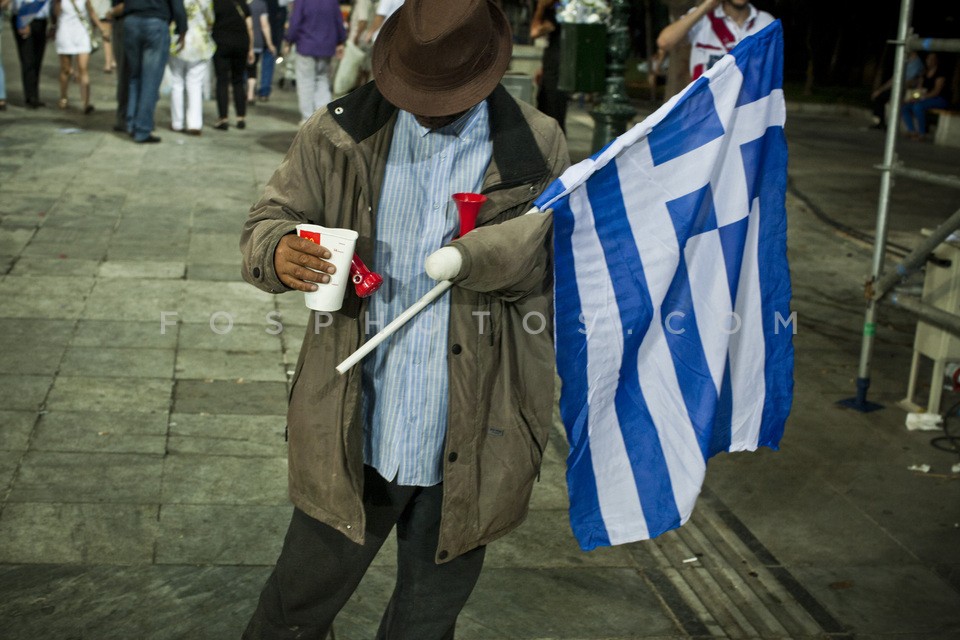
[[83, 77], [65, 66], [109, 64]]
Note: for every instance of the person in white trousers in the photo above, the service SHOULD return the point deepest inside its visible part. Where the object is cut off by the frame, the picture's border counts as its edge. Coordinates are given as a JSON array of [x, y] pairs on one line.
[[189, 69]]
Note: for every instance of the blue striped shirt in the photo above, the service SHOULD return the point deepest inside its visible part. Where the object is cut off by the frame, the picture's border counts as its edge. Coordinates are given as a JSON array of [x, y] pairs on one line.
[[405, 379]]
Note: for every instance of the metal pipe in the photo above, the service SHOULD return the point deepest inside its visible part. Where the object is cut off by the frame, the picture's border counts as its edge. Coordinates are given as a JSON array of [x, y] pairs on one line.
[[880, 237], [916, 43], [928, 313], [929, 177], [917, 257]]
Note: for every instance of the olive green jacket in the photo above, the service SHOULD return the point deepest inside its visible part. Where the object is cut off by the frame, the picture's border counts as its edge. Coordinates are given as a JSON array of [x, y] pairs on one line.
[[500, 341]]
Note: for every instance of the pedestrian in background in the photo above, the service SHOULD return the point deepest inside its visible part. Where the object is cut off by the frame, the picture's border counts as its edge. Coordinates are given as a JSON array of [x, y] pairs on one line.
[[713, 27], [146, 42], [933, 93], [76, 20], [233, 35], [3, 77], [262, 44], [30, 24], [115, 18], [102, 9], [317, 30], [189, 68], [550, 99], [277, 15], [912, 76]]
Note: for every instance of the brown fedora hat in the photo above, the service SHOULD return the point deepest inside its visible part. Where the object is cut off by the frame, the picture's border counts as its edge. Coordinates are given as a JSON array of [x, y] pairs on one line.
[[440, 57]]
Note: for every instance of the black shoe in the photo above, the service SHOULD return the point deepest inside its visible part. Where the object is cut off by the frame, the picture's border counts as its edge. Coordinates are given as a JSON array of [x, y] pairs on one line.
[[222, 126], [241, 124], [879, 126], [35, 104], [119, 128], [148, 140]]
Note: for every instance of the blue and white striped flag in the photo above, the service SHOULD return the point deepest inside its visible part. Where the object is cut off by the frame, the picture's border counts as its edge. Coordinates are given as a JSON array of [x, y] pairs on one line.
[[673, 327]]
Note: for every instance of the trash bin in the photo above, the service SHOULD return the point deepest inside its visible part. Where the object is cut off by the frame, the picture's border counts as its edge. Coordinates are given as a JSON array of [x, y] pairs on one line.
[[583, 57]]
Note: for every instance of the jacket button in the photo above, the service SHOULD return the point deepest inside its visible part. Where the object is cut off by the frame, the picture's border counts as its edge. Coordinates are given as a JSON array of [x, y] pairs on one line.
[[256, 272], [456, 349], [443, 555], [453, 456]]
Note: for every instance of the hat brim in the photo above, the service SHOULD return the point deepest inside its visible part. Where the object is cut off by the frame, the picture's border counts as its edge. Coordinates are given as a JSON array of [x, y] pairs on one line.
[[390, 75]]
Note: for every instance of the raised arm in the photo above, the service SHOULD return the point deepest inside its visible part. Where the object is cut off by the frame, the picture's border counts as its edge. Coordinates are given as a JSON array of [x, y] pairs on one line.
[[538, 25], [676, 31]]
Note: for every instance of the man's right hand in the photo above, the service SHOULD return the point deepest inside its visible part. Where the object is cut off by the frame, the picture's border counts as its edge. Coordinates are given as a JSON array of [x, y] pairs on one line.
[[294, 259]]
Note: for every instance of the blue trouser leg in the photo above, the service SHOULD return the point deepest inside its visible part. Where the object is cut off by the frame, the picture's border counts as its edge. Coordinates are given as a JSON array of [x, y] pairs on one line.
[[267, 63], [148, 46]]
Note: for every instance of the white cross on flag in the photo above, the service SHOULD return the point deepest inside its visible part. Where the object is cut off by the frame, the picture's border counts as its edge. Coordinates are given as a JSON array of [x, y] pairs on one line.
[[673, 326]]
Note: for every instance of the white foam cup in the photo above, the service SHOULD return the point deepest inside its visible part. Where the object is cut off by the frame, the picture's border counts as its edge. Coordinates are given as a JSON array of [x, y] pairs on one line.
[[340, 243]]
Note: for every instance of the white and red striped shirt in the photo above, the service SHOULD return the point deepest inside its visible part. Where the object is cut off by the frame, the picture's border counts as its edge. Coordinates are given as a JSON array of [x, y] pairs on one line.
[[716, 33]]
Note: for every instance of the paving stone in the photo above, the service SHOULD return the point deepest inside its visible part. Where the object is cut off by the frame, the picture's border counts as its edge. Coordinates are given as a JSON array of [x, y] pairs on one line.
[[31, 358], [110, 394], [200, 364], [235, 535], [544, 540], [37, 331], [93, 248], [61, 267], [44, 297], [88, 477], [227, 480], [140, 301], [214, 272], [563, 603], [9, 461], [15, 428], [142, 270], [23, 392], [74, 602], [101, 431], [214, 248], [232, 398], [12, 241], [77, 533], [146, 248], [124, 362], [228, 435], [226, 303], [118, 333], [885, 599], [241, 337]]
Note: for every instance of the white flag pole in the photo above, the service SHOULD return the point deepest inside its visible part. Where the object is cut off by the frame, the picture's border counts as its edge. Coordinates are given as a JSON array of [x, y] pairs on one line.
[[394, 325], [401, 319]]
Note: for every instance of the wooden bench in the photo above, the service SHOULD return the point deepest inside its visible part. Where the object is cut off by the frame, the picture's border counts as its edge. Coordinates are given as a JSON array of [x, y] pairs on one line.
[[948, 127]]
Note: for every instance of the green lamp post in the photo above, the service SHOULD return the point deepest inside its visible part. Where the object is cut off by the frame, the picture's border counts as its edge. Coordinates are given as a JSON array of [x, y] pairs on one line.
[[615, 111]]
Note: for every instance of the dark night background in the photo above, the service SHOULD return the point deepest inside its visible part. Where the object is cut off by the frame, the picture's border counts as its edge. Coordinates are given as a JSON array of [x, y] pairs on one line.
[[833, 50]]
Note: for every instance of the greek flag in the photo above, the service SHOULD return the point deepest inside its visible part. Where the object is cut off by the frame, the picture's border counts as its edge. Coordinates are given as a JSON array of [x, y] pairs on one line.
[[673, 327]]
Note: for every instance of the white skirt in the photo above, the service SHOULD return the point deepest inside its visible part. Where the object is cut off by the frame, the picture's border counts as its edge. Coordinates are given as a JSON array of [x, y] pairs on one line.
[[72, 37]]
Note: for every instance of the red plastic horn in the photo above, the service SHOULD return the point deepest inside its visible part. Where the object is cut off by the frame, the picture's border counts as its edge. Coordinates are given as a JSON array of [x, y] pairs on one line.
[[468, 205], [365, 282]]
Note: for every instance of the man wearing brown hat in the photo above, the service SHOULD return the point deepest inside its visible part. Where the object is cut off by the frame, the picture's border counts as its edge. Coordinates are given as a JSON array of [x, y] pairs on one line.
[[440, 431]]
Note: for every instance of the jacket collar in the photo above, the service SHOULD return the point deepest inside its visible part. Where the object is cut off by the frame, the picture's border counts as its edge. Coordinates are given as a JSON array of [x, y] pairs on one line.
[[365, 111]]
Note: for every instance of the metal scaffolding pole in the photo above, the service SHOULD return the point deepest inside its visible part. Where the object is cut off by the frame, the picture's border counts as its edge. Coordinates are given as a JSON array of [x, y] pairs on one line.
[[859, 402]]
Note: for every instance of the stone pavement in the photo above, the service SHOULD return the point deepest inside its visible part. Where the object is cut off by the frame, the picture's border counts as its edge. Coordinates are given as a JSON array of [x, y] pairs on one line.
[[142, 469]]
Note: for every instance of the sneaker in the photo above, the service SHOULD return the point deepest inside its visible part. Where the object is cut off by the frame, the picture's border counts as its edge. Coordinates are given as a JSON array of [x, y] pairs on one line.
[[151, 139], [241, 124], [223, 125], [193, 132]]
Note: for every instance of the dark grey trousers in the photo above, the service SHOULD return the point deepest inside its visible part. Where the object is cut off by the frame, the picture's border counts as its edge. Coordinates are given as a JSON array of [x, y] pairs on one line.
[[319, 569]]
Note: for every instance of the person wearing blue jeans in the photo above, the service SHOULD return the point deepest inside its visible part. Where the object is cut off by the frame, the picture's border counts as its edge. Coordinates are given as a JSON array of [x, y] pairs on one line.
[[146, 41], [277, 15], [932, 94]]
